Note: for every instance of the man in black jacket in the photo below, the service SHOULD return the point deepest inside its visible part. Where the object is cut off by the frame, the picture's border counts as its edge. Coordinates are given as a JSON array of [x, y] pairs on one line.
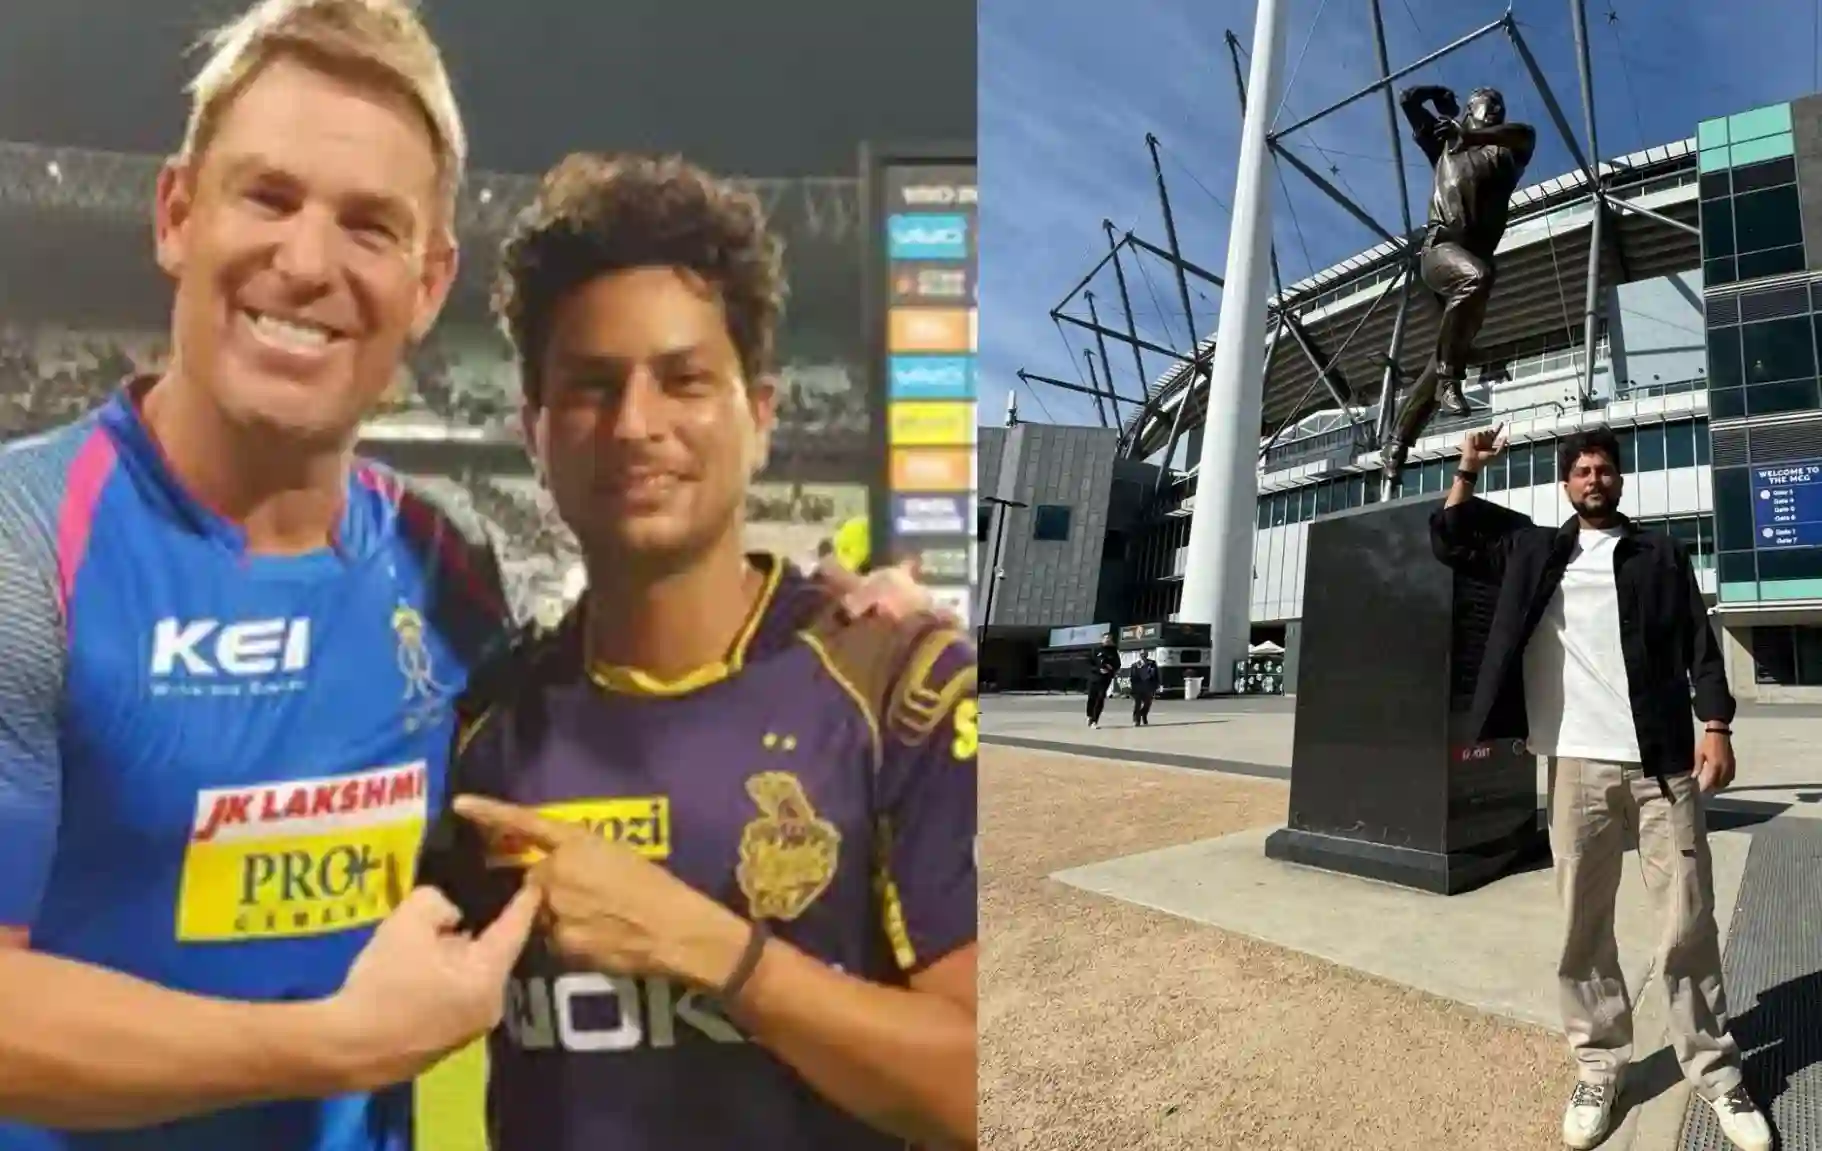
[[1103, 665], [1145, 677], [1598, 633]]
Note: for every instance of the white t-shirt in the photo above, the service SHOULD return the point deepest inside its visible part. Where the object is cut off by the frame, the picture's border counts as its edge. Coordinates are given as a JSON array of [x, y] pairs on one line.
[[1576, 693]]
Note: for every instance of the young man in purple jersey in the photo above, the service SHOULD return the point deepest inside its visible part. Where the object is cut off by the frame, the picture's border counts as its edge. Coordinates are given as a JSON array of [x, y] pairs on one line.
[[211, 739], [752, 818]]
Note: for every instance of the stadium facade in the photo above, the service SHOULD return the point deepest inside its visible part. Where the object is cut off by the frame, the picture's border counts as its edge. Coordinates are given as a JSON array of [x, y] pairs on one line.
[[1705, 361]]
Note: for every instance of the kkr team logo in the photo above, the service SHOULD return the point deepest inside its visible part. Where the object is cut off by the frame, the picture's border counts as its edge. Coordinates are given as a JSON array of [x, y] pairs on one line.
[[299, 857], [424, 696], [788, 853]]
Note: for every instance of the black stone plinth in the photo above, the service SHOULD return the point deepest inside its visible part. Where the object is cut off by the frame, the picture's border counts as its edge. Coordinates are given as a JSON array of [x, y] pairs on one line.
[[1384, 783]]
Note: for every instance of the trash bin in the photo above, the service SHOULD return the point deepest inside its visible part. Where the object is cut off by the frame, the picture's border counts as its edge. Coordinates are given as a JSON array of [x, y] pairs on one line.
[[1192, 687]]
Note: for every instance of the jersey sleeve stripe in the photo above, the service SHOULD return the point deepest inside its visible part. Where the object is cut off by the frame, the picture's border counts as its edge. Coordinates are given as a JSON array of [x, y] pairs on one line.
[[449, 547], [88, 475]]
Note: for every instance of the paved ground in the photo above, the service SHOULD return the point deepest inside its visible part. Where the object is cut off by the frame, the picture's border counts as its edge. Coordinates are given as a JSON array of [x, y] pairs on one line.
[[1212, 995], [1109, 1025]]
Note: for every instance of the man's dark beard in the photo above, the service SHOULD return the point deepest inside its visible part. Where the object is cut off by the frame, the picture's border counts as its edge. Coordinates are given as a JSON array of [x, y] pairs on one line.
[[1604, 517]]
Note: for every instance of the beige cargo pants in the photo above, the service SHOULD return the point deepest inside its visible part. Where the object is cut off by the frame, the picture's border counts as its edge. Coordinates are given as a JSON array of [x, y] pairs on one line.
[[1595, 809]]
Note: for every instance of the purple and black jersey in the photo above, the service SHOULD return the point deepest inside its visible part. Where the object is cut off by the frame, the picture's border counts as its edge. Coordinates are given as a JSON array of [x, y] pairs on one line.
[[821, 778]]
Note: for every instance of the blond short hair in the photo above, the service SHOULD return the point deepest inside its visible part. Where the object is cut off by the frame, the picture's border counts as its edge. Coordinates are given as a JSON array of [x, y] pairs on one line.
[[384, 41]]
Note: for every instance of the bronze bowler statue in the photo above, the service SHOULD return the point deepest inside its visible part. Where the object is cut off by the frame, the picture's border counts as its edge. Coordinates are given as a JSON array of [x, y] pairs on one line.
[[1479, 159]]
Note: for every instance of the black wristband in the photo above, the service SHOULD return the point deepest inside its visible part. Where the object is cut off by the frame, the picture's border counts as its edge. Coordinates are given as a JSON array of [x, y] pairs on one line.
[[749, 963], [1464, 474], [1718, 730]]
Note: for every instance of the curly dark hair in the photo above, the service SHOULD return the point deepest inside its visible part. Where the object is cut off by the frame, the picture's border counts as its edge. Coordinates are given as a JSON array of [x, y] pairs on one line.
[[1574, 446], [597, 214]]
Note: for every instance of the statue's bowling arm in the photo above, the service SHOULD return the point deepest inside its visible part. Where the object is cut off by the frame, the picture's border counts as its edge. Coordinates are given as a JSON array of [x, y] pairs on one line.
[[1423, 121]]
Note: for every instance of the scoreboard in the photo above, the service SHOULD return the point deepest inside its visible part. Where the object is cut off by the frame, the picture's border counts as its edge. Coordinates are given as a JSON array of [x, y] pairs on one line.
[[921, 255]]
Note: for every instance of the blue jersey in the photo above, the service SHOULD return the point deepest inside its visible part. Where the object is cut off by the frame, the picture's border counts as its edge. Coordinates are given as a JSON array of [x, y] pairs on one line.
[[206, 756]]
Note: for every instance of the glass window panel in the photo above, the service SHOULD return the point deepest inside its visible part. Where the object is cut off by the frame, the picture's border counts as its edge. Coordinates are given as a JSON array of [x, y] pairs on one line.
[[1715, 185], [1808, 645], [1050, 522], [1712, 160], [1769, 174], [1712, 133], [1628, 457], [1737, 567], [1280, 509], [1774, 262], [1783, 144], [1790, 563], [1733, 508], [1436, 475], [1774, 655], [1718, 272], [1493, 476], [1717, 229], [1790, 396], [1779, 350], [1649, 443], [1758, 123], [1325, 499], [1679, 445], [1705, 541], [1686, 529], [1727, 403], [1265, 512], [1767, 219], [1724, 370], [1306, 504], [1543, 463], [1702, 459], [1518, 468]]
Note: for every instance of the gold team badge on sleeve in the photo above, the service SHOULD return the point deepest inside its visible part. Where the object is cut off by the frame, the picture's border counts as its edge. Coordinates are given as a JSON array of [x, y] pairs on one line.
[[788, 853], [423, 694]]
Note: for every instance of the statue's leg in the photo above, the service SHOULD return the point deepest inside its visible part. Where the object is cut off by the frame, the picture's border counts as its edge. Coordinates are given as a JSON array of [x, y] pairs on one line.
[[1465, 283]]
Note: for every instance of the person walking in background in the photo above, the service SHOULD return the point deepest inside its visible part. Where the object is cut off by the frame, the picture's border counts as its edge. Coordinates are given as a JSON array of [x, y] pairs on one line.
[[1145, 677], [1599, 683], [1103, 665]]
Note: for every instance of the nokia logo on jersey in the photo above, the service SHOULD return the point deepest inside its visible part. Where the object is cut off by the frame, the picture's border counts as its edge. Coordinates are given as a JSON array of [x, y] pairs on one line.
[[588, 1012], [207, 647]]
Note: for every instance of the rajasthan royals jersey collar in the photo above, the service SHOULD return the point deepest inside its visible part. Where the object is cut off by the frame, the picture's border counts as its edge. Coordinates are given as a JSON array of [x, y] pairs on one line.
[[364, 512]]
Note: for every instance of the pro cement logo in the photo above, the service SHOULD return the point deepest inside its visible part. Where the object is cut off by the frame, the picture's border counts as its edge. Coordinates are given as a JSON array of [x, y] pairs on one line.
[[302, 857]]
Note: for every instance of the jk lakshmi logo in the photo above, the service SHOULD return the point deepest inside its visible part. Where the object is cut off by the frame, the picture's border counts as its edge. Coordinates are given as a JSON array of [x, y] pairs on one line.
[[299, 857], [788, 854]]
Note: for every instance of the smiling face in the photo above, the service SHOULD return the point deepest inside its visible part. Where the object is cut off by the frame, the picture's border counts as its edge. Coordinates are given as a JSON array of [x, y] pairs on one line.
[[308, 249], [647, 430]]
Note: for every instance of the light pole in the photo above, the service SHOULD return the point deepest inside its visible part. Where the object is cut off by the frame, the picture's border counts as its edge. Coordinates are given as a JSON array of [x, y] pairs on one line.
[[993, 559]]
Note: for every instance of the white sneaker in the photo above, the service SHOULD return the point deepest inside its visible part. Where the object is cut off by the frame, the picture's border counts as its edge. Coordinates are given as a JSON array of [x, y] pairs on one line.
[[1742, 1121], [1589, 1112]]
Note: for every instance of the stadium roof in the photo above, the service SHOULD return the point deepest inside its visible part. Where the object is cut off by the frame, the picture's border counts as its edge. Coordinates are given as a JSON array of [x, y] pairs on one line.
[[1539, 290]]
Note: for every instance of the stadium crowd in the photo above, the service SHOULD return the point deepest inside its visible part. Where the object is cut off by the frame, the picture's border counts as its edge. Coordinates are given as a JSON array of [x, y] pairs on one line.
[[50, 375]]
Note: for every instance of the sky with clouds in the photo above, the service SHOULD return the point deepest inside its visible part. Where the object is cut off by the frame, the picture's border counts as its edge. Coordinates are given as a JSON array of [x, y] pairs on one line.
[[1069, 88]]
